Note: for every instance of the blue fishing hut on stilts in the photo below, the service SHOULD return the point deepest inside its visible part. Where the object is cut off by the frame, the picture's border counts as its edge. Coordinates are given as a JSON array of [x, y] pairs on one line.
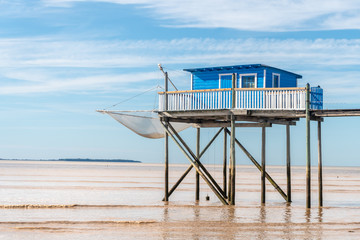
[[253, 95], [228, 97]]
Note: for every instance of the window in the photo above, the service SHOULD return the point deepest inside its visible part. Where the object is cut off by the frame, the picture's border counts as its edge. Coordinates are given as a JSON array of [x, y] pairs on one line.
[[248, 80], [276, 80]]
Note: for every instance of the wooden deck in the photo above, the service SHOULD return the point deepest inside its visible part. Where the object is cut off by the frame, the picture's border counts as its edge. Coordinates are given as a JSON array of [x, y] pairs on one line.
[[221, 117]]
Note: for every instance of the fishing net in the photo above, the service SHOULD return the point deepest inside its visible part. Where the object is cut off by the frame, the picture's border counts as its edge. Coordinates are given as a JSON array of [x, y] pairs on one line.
[[144, 123]]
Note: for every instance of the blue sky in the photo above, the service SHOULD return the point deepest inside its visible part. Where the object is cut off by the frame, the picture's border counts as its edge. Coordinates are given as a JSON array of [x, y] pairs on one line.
[[60, 60]]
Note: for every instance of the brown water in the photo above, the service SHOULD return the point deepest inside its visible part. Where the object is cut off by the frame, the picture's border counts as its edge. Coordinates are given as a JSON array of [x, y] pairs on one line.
[[60, 200]]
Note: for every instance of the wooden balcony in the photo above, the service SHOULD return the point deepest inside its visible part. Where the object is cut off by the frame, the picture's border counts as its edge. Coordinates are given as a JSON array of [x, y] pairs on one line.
[[245, 98]]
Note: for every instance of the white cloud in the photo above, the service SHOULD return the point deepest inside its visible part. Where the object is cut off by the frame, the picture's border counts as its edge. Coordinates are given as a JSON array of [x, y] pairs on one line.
[[130, 54], [253, 15], [52, 65], [80, 84]]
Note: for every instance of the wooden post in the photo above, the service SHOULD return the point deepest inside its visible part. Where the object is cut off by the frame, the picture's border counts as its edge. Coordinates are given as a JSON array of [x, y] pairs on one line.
[[308, 159], [166, 90], [224, 163], [229, 177], [320, 166], [197, 190], [232, 161], [233, 85], [263, 170], [166, 197], [232, 145], [288, 164]]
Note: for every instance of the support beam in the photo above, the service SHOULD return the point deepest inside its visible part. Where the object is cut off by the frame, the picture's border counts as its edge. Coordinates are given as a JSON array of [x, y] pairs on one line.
[[228, 124], [308, 158], [166, 90], [166, 198], [257, 165], [263, 169], [224, 163], [232, 172], [200, 117], [197, 176], [232, 162], [288, 164], [320, 182]]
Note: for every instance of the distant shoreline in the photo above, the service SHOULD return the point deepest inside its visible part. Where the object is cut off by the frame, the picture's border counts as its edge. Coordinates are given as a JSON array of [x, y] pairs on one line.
[[75, 160]]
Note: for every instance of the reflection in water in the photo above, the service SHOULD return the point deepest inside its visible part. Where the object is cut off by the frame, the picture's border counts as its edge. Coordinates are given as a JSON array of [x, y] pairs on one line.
[[307, 229], [320, 220], [231, 219], [196, 219], [320, 215], [164, 230], [287, 220], [262, 221]]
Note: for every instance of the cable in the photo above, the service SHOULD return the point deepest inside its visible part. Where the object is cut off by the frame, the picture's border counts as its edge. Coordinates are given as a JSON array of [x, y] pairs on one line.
[[133, 97]]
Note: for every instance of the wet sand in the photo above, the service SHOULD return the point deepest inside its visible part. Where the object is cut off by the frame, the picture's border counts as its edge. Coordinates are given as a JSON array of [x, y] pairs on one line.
[[61, 200]]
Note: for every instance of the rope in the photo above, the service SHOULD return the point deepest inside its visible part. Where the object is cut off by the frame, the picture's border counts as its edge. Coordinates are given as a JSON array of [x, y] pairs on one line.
[[157, 87]]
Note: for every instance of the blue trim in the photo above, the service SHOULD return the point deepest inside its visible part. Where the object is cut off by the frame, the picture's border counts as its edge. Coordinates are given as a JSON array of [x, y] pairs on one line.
[[238, 67]]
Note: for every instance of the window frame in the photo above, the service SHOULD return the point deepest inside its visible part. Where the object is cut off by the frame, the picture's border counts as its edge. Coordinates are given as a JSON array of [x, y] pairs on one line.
[[273, 79], [248, 74], [227, 74]]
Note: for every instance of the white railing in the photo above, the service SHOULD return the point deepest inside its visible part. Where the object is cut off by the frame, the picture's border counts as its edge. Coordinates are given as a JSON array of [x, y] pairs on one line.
[[255, 98]]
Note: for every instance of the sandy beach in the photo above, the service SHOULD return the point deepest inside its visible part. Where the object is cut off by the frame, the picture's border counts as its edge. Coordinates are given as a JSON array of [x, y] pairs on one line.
[[62, 200]]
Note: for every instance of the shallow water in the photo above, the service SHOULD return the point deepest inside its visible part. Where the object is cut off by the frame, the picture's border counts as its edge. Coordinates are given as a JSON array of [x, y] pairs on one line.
[[69, 200]]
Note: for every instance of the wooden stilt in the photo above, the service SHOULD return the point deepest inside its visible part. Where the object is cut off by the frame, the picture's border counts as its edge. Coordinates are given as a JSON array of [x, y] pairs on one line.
[[232, 143], [166, 197], [320, 166], [288, 164], [308, 158], [232, 161], [263, 170], [197, 190], [229, 177], [224, 163]]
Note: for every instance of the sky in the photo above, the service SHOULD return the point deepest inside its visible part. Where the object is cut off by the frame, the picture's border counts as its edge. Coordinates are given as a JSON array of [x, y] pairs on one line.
[[61, 60]]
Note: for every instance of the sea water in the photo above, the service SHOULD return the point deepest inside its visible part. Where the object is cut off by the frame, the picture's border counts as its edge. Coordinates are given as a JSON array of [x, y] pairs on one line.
[[84, 200]]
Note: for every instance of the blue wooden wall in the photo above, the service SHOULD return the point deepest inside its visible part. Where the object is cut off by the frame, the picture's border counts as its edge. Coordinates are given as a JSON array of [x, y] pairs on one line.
[[210, 79], [286, 79]]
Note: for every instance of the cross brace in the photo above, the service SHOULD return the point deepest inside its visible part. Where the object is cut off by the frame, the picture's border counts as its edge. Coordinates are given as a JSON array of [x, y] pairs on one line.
[[191, 166], [196, 163], [252, 159]]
